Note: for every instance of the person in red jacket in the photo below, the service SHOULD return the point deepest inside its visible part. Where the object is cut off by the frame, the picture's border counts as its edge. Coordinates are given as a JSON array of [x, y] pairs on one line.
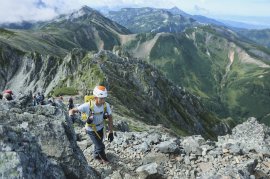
[[7, 95]]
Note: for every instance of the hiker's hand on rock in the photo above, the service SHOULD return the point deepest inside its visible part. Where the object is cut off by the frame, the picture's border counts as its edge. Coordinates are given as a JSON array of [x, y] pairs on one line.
[[110, 136]]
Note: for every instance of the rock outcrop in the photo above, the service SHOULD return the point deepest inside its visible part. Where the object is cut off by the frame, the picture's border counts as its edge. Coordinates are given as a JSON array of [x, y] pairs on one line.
[[39, 142]]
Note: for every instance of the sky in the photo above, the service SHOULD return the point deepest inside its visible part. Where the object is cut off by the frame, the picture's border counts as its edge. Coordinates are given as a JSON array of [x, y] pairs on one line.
[[19, 10]]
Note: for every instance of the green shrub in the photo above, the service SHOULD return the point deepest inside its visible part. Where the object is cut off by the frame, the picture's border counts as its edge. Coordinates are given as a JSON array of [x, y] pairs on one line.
[[65, 91]]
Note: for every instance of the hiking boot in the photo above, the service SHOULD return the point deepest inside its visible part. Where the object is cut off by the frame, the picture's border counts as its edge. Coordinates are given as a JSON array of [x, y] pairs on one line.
[[105, 162], [98, 159], [104, 159]]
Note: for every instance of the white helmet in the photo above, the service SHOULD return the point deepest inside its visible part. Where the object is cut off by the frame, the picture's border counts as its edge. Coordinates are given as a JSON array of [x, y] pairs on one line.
[[100, 92]]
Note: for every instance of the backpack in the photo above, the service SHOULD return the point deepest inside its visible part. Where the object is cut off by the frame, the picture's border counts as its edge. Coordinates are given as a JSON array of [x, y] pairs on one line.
[[91, 100]]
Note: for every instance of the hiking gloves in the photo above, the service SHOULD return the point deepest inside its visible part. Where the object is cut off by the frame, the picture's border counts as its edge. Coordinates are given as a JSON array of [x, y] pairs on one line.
[[90, 119], [110, 137]]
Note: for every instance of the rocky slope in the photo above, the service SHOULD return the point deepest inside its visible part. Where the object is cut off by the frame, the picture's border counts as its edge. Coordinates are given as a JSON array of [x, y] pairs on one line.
[[154, 154], [40, 142]]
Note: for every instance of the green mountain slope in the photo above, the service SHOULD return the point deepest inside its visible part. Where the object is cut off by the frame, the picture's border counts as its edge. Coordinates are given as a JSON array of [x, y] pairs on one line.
[[231, 76]]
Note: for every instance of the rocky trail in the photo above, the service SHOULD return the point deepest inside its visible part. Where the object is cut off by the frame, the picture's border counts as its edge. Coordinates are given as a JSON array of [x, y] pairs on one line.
[[41, 142], [151, 154]]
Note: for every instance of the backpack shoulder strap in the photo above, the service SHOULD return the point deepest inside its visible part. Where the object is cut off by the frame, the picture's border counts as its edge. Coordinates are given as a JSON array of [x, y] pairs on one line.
[[105, 107], [91, 106]]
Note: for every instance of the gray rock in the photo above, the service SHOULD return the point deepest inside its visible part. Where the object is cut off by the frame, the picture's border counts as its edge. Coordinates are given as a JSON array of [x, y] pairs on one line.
[[187, 160], [205, 167], [83, 144], [250, 165], [121, 126], [154, 158], [167, 147], [115, 175], [251, 136], [151, 170], [143, 147], [153, 138], [192, 144], [236, 149]]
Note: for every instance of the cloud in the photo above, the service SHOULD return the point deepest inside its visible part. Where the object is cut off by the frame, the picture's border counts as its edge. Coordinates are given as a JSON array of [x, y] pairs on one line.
[[201, 10], [16, 11], [33, 10], [19, 10]]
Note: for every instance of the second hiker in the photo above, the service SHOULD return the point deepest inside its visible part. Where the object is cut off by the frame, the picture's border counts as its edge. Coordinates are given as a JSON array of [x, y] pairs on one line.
[[8, 95], [95, 110], [70, 103]]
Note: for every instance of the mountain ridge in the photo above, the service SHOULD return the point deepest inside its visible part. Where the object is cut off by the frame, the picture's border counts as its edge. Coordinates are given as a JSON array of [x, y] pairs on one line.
[[201, 49], [140, 20], [146, 85]]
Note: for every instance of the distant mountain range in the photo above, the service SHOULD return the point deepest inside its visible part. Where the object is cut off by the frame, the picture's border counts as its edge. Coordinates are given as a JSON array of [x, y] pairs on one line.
[[166, 20], [140, 20], [227, 69], [221, 65]]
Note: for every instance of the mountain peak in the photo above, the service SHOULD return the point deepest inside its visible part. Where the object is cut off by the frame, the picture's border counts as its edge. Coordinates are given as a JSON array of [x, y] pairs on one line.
[[176, 11], [85, 10], [175, 8]]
